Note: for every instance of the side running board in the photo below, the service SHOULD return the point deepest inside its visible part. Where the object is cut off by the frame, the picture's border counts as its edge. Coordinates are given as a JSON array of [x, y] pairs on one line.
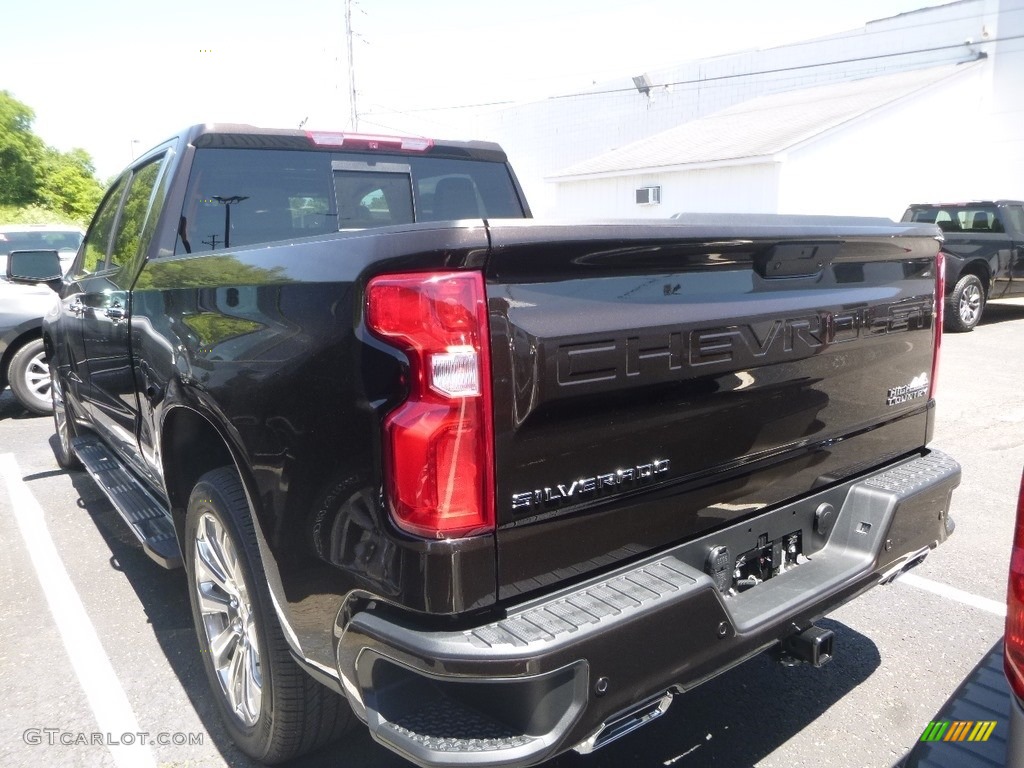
[[148, 519]]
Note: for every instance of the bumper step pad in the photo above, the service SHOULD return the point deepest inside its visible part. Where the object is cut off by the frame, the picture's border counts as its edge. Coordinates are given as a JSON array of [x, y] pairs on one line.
[[450, 726]]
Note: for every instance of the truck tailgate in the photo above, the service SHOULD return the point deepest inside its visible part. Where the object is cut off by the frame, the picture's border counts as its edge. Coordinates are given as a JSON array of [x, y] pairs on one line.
[[656, 382]]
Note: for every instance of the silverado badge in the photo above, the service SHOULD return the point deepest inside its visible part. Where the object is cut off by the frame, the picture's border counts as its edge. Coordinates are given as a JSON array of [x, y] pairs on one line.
[[593, 486]]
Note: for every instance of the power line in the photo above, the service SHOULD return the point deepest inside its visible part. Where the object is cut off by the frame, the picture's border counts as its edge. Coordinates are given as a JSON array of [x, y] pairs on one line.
[[720, 78], [445, 108], [779, 70], [694, 81], [865, 31], [386, 127]]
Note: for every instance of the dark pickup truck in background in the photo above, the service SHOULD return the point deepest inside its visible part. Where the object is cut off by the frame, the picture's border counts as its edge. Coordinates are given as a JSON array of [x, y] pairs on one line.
[[495, 488], [984, 247]]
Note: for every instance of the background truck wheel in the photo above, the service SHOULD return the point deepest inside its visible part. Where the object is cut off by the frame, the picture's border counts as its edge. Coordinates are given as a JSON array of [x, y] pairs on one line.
[[273, 710], [964, 305], [29, 375], [63, 425]]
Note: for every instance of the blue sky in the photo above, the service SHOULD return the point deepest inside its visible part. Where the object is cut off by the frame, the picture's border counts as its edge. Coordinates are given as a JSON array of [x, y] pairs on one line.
[[116, 77]]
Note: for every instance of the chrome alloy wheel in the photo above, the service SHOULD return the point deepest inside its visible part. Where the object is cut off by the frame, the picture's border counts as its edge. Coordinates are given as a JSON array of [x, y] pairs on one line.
[[228, 620], [970, 303], [37, 378], [60, 414]]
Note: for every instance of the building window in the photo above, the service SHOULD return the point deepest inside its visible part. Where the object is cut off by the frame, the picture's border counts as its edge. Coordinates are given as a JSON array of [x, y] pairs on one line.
[[648, 196]]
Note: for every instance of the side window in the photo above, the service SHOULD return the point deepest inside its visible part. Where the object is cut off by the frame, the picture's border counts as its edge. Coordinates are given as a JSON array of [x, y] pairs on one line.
[[133, 214], [97, 239], [1014, 215]]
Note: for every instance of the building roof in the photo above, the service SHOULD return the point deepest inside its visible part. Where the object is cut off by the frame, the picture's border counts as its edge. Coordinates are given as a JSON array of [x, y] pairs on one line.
[[761, 128]]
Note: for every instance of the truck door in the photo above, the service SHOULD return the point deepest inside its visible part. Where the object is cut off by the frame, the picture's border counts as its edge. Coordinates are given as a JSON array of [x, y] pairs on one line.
[[87, 274], [103, 309], [1014, 219]]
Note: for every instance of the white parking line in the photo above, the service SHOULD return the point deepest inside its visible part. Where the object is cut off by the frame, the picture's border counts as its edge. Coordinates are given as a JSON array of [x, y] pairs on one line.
[[952, 593], [107, 698]]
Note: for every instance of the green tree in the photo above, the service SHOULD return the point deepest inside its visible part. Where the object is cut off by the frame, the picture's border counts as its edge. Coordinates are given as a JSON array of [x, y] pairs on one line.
[[20, 152], [37, 181], [68, 183], [35, 214]]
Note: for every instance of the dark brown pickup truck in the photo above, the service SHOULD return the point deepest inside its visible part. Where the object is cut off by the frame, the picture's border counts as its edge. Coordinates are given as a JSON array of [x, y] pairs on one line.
[[494, 488]]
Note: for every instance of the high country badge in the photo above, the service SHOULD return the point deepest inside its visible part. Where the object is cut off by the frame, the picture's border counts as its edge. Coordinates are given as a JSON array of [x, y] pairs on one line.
[[917, 388]]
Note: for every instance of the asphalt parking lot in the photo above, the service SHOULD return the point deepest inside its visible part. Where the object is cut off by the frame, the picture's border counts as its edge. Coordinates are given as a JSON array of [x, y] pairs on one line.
[[79, 589]]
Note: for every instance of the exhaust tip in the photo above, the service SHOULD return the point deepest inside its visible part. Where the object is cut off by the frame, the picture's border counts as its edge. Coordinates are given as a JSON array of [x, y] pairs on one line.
[[904, 565], [625, 723]]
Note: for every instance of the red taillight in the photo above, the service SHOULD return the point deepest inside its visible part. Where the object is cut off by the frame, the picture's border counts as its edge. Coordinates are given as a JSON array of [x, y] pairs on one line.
[[438, 443], [369, 142], [1014, 656], [939, 315]]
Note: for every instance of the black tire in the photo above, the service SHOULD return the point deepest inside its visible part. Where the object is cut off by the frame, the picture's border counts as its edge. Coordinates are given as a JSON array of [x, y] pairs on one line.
[[279, 711], [965, 305], [29, 375], [63, 425]]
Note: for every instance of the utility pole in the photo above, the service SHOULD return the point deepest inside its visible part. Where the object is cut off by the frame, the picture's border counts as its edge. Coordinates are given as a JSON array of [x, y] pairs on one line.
[[351, 66], [227, 202]]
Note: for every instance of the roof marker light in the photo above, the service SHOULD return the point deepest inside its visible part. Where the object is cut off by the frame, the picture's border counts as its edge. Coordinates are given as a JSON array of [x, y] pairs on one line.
[[369, 141]]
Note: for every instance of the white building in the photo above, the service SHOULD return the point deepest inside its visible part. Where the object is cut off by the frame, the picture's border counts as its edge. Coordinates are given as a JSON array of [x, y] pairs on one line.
[[857, 147], [921, 106]]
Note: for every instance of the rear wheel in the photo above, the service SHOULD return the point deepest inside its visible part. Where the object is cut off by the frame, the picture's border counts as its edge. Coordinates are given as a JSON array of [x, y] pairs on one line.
[[29, 375], [273, 710], [965, 304]]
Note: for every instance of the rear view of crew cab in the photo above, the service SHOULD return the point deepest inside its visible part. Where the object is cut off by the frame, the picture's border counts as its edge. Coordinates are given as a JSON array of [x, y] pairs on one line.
[[495, 488]]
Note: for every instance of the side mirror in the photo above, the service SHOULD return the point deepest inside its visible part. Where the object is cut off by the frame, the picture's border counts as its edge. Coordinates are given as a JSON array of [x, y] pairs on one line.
[[33, 266]]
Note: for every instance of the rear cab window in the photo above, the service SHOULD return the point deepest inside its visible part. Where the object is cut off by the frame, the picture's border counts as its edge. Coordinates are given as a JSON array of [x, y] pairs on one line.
[[241, 197], [977, 219]]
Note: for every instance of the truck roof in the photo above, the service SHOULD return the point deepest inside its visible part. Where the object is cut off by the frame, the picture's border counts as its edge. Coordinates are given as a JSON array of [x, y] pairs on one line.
[[966, 202], [243, 136]]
